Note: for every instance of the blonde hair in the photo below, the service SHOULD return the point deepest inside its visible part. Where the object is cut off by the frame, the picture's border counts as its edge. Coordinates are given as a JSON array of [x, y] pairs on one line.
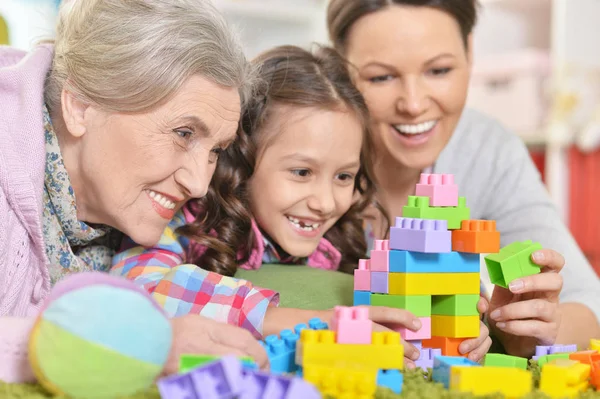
[[132, 55]]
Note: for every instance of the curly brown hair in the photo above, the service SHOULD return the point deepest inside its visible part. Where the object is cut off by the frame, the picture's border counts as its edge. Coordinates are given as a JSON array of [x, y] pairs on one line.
[[288, 75]]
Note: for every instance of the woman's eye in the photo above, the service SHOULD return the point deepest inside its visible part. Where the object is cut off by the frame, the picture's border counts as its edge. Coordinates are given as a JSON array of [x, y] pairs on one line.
[[183, 133], [382, 78], [440, 71]]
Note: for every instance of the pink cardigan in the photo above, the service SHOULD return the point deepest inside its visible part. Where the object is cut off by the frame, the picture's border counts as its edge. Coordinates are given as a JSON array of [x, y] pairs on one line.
[[24, 278]]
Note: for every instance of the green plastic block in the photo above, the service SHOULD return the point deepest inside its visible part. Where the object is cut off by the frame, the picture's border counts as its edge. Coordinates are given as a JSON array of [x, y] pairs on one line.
[[418, 207], [548, 358], [419, 305], [512, 262], [189, 362], [499, 360], [455, 305]]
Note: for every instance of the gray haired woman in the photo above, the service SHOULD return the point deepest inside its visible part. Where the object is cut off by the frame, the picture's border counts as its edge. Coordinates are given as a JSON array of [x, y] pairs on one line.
[[107, 131]]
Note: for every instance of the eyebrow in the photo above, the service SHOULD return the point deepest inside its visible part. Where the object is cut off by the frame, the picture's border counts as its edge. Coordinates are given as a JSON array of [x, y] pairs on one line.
[[388, 66], [308, 159], [198, 124]]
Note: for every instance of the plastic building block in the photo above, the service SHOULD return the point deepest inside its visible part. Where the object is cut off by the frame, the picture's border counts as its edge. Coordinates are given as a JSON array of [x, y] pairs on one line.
[[542, 350], [480, 381], [542, 360], [512, 262], [419, 305], [341, 382], [316, 324], [416, 343], [440, 189], [450, 262], [595, 344], [379, 282], [190, 362], [352, 325], [564, 379], [449, 346], [455, 305], [418, 208], [362, 276], [281, 351], [259, 385], [477, 237], [421, 235], [443, 364], [319, 348], [392, 379], [426, 357], [423, 333], [215, 380], [585, 357], [595, 377], [380, 256], [455, 326], [433, 283], [362, 298], [499, 360]]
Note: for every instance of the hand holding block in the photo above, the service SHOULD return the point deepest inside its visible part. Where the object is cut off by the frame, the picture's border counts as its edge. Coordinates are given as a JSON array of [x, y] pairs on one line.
[[512, 262]]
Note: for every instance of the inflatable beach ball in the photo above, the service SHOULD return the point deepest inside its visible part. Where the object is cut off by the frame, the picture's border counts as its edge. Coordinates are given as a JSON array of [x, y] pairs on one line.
[[99, 336]]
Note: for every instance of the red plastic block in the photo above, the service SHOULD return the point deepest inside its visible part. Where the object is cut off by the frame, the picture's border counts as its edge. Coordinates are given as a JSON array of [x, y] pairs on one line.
[[440, 189], [409, 335], [380, 256], [362, 276], [476, 237], [352, 325]]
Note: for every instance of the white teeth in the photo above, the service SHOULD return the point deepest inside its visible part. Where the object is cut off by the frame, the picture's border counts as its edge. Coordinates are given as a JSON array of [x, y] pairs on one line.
[[302, 225], [416, 129], [163, 201]]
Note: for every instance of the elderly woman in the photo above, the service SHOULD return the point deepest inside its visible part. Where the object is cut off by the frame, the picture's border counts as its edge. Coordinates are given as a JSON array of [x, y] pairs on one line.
[[108, 132]]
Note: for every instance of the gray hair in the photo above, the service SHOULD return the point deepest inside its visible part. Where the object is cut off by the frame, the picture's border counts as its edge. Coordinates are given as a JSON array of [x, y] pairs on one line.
[[132, 55]]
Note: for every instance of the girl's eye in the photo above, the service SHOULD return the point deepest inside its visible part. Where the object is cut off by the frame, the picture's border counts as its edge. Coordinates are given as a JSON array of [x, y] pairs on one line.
[[440, 71], [214, 155], [300, 172], [382, 78], [346, 177]]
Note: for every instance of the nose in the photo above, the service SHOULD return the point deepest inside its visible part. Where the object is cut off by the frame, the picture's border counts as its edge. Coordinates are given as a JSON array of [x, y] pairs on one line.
[[322, 201], [195, 175], [413, 98]]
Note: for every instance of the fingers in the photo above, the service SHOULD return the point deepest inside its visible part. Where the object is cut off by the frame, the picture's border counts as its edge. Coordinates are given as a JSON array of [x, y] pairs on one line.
[[384, 315], [409, 363], [235, 339], [544, 332], [477, 347], [482, 305], [539, 309], [410, 351], [549, 259], [543, 282]]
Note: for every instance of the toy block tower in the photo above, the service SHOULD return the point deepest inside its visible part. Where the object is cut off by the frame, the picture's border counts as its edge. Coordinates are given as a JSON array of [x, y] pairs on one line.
[[430, 266]]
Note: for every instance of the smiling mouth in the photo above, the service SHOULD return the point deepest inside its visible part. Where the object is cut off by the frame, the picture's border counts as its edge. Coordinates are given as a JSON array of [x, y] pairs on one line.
[[417, 129], [303, 224], [162, 200]]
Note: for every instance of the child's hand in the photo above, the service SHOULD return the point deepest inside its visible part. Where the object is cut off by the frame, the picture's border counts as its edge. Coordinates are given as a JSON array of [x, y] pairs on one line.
[[527, 314], [478, 347]]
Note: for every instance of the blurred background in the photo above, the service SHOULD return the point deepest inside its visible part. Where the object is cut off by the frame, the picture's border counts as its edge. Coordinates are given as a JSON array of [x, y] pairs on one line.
[[537, 69]]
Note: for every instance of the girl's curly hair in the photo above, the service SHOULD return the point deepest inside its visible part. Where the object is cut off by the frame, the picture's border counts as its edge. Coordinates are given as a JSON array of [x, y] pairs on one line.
[[288, 75]]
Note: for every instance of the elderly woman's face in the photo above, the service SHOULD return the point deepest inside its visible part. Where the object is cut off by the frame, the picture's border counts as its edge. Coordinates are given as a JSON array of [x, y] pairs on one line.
[[137, 170]]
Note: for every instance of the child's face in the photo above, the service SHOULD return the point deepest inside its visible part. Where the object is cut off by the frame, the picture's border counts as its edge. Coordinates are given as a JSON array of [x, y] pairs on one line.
[[304, 178]]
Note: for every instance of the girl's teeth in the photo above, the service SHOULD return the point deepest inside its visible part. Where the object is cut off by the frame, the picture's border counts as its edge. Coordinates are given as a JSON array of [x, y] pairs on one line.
[[163, 201], [302, 225], [416, 129]]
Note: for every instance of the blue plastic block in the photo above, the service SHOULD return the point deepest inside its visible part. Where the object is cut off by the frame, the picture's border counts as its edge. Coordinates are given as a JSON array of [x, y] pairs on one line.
[[217, 380], [317, 324], [415, 262], [259, 385], [282, 351], [391, 379], [442, 365], [362, 298]]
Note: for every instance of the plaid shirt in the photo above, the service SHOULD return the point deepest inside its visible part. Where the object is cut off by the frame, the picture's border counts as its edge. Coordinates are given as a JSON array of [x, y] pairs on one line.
[[185, 288]]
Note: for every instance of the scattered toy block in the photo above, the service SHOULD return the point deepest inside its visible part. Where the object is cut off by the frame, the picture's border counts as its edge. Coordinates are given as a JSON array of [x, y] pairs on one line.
[[512, 262], [362, 276], [392, 379], [448, 346], [500, 360], [433, 283], [564, 379], [281, 351], [595, 376], [418, 208], [341, 382], [421, 235], [443, 364], [315, 324], [380, 282], [352, 325], [440, 189], [595, 344], [258, 385], [455, 305], [423, 333], [476, 236], [190, 362], [417, 262], [455, 326], [585, 357], [362, 298], [419, 305], [480, 381], [542, 360], [380, 256], [542, 350], [318, 347]]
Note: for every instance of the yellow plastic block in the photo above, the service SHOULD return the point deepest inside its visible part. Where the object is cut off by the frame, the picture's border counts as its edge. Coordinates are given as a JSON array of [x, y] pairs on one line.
[[564, 378], [595, 344], [433, 283], [342, 382], [510, 382], [455, 326], [318, 347]]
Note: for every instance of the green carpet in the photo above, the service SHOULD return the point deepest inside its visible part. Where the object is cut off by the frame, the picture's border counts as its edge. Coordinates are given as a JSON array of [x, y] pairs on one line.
[[304, 287]]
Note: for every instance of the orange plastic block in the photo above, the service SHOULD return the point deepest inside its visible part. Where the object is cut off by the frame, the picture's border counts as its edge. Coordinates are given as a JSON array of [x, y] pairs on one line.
[[510, 382], [585, 357], [477, 237], [338, 382], [595, 377], [449, 346], [564, 378]]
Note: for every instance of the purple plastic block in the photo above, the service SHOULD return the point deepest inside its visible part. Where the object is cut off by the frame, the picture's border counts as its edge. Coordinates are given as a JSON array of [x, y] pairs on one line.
[[258, 385], [379, 282], [216, 380], [562, 349], [541, 350], [417, 344], [424, 364], [421, 235], [435, 352]]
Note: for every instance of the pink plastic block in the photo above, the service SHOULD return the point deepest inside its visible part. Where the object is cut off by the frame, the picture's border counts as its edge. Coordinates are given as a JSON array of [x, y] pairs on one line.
[[440, 189], [362, 276], [352, 325], [423, 333], [421, 235], [380, 256]]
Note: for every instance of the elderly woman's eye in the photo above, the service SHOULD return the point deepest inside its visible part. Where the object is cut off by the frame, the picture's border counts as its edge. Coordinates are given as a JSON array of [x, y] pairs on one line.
[[184, 133]]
